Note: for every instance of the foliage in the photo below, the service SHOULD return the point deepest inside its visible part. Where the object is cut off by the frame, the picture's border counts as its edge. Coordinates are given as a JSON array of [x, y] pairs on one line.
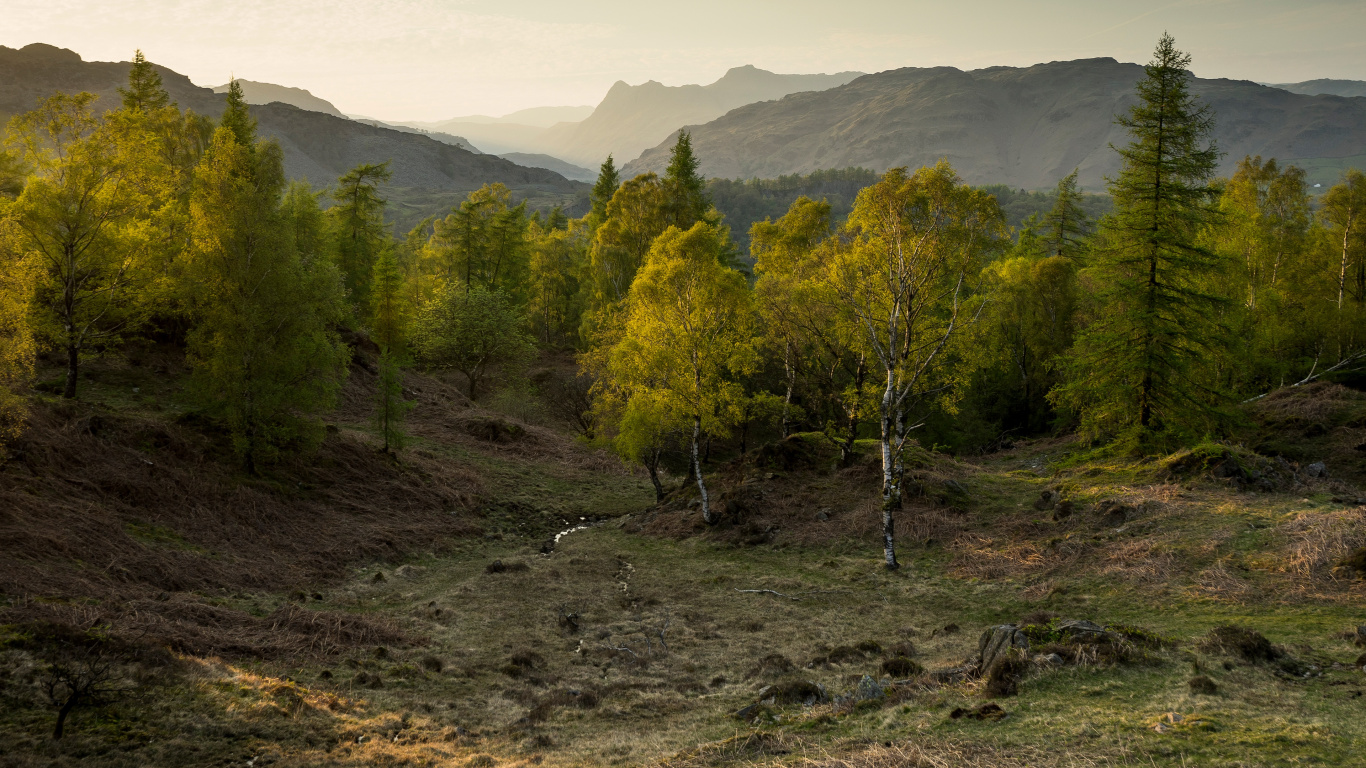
[[18, 275], [689, 332], [265, 298], [687, 192], [484, 242], [603, 190], [745, 202], [471, 331], [1145, 365], [358, 225]]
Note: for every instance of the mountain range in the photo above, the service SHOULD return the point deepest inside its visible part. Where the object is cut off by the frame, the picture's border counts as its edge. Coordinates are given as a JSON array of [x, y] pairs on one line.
[[1025, 127], [265, 93], [317, 146]]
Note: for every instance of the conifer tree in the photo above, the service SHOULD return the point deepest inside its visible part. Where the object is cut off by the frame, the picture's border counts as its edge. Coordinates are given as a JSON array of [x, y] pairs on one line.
[[144, 92], [265, 297], [387, 326], [1144, 366], [358, 225], [687, 191], [237, 118], [606, 186], [1065, 227]]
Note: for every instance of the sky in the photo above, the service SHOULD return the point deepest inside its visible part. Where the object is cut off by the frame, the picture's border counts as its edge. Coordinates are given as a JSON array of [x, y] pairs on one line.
[[436, 59]]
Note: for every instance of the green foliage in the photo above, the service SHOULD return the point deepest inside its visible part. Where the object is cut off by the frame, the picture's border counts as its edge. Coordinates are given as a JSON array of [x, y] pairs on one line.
[[144, 92], [237, 117], [18, 348], [554, 295], [358, 226], [86, 214], [1066, 226], [391, 409], [471, 331], [686, 190], [1145, 365], [603, 190], [484, 243], [265, 302]]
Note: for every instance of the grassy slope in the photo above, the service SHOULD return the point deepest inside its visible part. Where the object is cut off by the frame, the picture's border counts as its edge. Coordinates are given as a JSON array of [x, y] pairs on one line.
[[480, 663]]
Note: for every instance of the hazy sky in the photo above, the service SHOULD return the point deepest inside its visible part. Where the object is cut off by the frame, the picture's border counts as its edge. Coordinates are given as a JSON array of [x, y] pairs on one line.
[[432, 59]]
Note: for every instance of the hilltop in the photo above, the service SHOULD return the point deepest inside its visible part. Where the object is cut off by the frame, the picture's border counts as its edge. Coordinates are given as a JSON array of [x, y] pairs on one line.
[[265, 93], [1023, 127]]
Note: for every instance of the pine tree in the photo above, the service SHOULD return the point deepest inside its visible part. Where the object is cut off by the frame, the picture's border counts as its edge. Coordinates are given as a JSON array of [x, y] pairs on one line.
[[358, 225], [687, 191], [1145, 365], [608, 181], [237, 118], [1066, 226], [144, 92]]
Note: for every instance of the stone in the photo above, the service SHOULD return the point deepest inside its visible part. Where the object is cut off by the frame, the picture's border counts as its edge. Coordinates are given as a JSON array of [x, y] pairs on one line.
[[868, 689], [824, 514], [996, 642], [1317, 469], [1082, 630], [1064, 510]]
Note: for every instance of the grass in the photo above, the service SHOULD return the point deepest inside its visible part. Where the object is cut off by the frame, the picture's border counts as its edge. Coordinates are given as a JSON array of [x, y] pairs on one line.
[[637, 639]]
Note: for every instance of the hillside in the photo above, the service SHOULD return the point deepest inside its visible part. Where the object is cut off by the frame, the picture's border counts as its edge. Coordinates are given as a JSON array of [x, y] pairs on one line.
[[1325, 87], [567, 170], [1023, 127], [265, 93], [318, 147]]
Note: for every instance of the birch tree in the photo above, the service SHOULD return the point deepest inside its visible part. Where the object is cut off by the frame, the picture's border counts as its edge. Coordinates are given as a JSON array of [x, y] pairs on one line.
[[904, 278]]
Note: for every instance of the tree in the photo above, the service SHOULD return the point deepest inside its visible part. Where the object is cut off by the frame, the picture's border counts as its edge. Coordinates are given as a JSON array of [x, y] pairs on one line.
[[557, 260], [144, 92], [18, 275], [603, 190], [1066, 225], [1344, 211], [484, 242], [689, 333], [358, 225], [471, 331], [265, 299], [237, 117], [685, 187], [1145, 365], [84, 214], [387, 325], [903, 276]]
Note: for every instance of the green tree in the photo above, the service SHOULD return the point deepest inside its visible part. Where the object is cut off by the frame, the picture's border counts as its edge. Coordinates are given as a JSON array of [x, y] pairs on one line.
[[266, 300], [387, 324], [903, 277], [471, 331], [1066, 226], [1145, 365], [85, 214], [18, 277], [688, 201], [237, 117], [358, 225], [689, 335], [603, 190], [557, 261], [144, 92], [1344, 212], [483, 242]]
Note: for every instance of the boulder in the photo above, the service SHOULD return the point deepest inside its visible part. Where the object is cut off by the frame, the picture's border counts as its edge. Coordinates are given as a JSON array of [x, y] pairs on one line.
[[868, 689], [998, 641], [1316, 470]]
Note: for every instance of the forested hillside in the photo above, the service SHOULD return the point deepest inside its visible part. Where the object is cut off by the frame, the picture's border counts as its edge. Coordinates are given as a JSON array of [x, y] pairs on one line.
[[1023, 127], [913, 472]]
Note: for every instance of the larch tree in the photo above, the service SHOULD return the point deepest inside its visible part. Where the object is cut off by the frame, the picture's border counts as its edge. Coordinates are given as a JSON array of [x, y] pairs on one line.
[[688, 202], [388, 320], [144, 92], [265, 296], [904, 278], [85, 214], [1146, 364], [603, 189], [358, 227], [1066, 226], [688, 336]]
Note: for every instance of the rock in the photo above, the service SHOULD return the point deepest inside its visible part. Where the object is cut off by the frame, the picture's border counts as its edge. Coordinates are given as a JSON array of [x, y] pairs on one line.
[[1064, 510], [824, 514], [953, 674], [1046, 501], [1317, 469], [408, 571], [1083, 631], [750, 713], [1051, 660], [996, 642], [868, 690], [1113, 514], [988, 711]]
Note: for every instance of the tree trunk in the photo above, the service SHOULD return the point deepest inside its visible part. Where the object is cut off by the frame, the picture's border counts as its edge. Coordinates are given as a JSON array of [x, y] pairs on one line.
[[791, 381], [851, 411], [65, 710], [653, 466], [697, 470], [891, 483], [73, 359]]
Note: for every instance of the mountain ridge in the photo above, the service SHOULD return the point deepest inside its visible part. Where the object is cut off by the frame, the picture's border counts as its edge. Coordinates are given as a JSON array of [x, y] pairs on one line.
[[1021, 126]]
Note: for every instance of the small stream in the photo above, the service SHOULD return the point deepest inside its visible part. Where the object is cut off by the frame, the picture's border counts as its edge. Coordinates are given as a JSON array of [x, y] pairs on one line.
[[583, 525]]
